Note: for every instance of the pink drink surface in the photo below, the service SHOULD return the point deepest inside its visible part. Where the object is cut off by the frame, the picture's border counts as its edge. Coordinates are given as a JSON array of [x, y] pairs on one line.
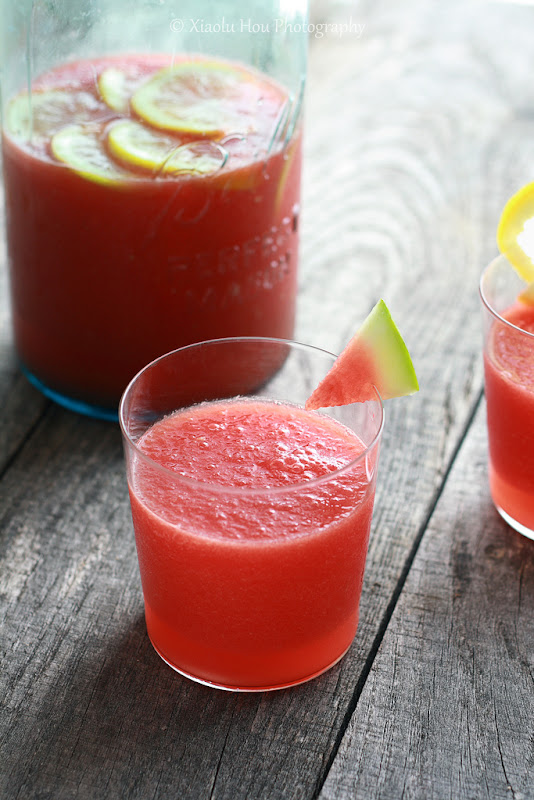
[[509, 374], [107, 275], [254, 583]]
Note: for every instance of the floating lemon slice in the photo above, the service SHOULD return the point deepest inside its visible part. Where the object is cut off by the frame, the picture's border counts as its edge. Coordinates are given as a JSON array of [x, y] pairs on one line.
[[141, 147], [286, 169], [116, 85], [515, 234], [528, 295], [208, 98], [38, 115], [115, 88], [80, 147]]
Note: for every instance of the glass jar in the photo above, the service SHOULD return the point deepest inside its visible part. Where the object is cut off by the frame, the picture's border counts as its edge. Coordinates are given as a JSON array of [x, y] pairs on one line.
[[152, 179]]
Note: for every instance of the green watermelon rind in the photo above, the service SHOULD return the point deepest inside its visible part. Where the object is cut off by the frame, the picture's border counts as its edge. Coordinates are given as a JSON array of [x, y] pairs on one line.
[[392, 359]]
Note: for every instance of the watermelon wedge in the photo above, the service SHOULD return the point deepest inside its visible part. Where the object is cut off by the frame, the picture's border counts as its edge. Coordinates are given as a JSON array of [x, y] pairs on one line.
[[376, 356]]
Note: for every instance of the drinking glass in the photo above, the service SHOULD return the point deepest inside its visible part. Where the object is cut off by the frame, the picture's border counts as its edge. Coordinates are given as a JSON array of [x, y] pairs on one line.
[[509, 388], [255, 586]]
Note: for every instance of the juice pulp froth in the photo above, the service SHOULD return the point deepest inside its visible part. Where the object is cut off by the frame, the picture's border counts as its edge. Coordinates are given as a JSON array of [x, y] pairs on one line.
[[252, 550], [121, 252]]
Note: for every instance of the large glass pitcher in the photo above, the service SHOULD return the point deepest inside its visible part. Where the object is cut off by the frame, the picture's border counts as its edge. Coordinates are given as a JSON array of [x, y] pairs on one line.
[[151, 156]]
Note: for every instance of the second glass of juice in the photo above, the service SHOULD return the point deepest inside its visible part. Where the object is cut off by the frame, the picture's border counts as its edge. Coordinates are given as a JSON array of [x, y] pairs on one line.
[[152, 178], [251, 514], [509, 389]]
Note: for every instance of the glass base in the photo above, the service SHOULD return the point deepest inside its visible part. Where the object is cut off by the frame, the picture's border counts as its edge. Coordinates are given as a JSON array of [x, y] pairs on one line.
[[513, 523], [78, 406], [512, 503], [248, 689]]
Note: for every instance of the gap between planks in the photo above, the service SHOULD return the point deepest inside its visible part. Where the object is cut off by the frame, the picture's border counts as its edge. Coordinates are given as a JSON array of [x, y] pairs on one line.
[[358, 689]]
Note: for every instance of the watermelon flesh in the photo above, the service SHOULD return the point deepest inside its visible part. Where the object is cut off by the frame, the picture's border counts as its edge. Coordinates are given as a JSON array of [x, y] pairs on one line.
[[376, 356]]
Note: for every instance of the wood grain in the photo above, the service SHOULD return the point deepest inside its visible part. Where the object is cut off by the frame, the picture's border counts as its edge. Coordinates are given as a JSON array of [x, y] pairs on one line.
[[448, 708], [415, 134]]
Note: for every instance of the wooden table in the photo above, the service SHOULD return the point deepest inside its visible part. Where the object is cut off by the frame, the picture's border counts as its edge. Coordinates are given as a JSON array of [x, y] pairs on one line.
[[417, 132]]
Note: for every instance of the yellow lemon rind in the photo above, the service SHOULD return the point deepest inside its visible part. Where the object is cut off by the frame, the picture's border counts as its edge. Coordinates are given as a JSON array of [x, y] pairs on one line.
[[79, 147], [517, 211], [212, 120]]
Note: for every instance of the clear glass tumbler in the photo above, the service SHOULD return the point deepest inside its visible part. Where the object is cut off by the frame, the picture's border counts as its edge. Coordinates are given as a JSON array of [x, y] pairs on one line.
[[509, 389], [151, 158], [251, 515]]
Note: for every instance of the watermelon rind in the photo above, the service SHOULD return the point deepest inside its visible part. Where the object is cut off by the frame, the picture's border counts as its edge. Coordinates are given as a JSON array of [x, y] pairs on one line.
[[393, 361]]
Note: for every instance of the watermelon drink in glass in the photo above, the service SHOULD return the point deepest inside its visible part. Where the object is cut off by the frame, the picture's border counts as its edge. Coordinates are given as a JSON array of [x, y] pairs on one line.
[[251, 513], [152, 183], [509, 389]]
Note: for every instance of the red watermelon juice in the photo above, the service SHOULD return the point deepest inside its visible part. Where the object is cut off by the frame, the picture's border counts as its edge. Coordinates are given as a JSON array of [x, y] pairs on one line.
[[118, 254], [252, 521], [509, 387]]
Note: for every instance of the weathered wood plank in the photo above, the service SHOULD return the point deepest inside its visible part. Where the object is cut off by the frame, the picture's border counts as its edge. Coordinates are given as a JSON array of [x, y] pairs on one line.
[[448, 708], [408, 130]]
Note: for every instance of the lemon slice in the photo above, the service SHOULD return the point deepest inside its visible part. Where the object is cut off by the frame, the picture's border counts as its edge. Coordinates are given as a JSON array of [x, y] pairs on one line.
[[148, 149], [527, 296], [115, 88], [39, 115], [286, 169], [116, 84], [208, 98], [515, 234], [80, 147]]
